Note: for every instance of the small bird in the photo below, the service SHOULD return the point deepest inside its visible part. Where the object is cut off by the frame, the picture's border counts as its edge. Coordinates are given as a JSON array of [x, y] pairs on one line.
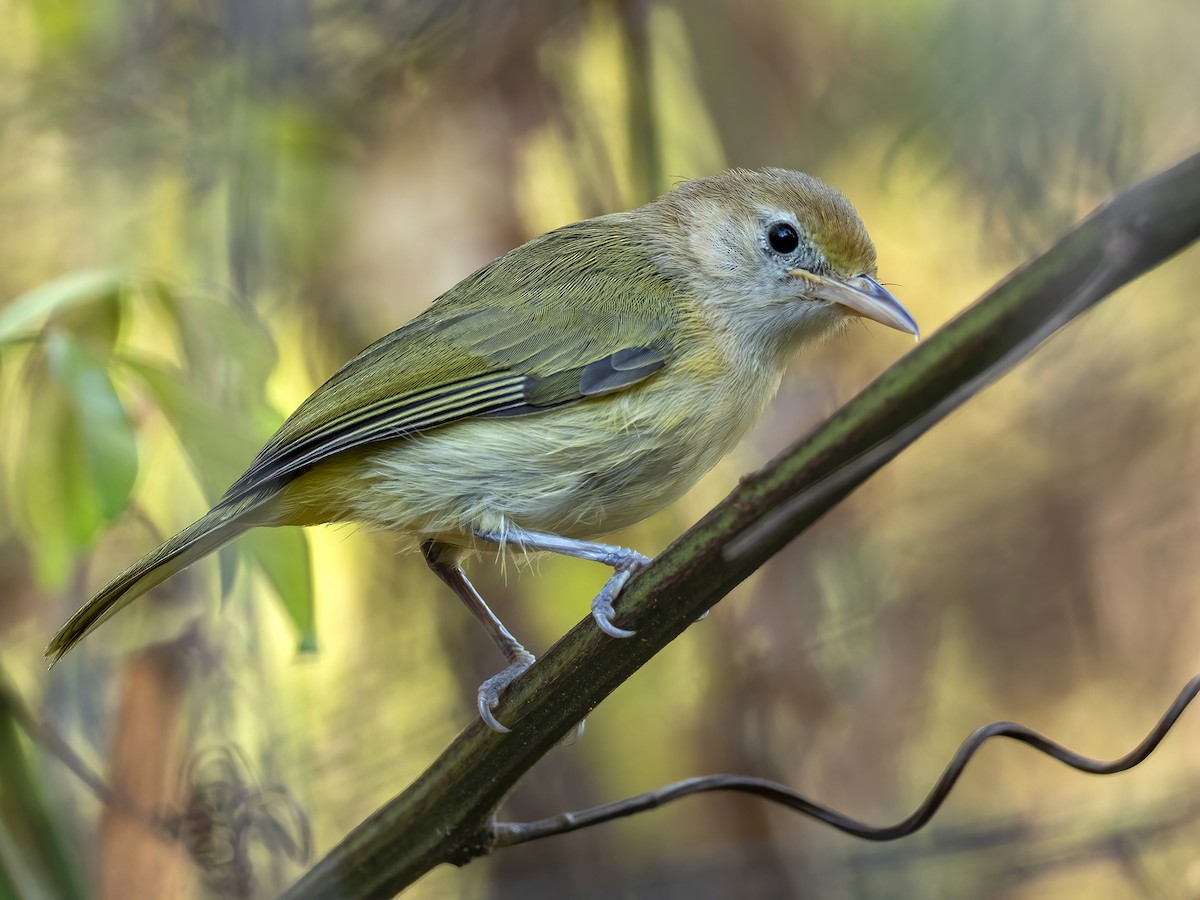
[[567, 389]]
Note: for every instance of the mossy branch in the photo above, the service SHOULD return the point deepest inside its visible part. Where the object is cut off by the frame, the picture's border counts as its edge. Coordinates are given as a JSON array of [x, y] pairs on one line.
[[446, 814]]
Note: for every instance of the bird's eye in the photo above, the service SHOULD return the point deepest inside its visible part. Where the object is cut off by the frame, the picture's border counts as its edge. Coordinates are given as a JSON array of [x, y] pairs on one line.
[[783, 237]]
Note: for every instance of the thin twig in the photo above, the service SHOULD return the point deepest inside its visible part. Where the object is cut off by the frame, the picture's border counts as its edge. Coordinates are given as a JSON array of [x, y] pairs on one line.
[[509, 833]]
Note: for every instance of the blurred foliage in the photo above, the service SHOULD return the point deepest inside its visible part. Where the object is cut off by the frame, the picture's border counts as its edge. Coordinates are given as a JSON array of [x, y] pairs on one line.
[[75, 472], [210, 205], [37, 857]]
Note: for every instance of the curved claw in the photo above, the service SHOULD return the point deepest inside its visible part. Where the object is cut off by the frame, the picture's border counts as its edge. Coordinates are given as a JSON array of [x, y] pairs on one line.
[[603, 613], [491, 690], [627, 564]]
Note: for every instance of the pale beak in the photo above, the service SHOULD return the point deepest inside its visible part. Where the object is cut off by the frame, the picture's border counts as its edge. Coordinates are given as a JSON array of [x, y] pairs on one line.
[[863, 296]]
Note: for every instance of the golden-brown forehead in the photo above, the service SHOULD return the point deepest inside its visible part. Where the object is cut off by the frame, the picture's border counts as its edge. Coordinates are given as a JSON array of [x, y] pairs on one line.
[[825, 214]]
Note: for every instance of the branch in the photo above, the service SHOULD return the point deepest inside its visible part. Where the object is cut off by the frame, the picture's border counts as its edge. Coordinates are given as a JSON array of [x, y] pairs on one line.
[[446, 814]]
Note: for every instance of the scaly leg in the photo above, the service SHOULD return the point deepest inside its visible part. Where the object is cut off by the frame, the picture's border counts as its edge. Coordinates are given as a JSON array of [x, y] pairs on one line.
[[625, 564], [519, 659]]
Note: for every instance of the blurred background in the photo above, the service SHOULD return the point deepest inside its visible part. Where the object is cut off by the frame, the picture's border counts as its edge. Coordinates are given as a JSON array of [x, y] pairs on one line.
[[208, 205]]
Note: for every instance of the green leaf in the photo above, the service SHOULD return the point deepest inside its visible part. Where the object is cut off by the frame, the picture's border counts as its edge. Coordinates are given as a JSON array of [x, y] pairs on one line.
[[57, 507], [282, 555], [94, 326], [75, 463], [30, 310], [15, 882], [108, 443], [218, 445]]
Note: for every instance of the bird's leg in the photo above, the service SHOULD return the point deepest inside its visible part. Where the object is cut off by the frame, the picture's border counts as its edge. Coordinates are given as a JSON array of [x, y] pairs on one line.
[[519, 659], [625, 564]]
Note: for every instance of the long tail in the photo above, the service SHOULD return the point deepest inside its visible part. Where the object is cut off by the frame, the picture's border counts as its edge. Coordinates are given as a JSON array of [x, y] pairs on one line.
[[202, 537]]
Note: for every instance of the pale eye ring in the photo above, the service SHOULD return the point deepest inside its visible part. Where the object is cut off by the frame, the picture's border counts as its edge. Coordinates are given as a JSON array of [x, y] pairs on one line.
[[783, 237]]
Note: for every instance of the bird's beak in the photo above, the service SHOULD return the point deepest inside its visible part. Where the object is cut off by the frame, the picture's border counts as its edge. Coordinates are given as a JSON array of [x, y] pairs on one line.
[[862, 296]]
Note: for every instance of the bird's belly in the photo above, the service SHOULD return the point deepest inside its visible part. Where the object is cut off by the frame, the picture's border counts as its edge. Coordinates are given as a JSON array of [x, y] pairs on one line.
[[579, 471]]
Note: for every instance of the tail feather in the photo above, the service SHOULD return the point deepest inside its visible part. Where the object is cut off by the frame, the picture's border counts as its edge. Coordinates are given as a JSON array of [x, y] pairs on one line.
[[197, 540]]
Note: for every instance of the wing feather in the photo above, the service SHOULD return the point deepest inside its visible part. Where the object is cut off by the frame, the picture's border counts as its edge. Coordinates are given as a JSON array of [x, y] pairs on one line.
[[469, 355]]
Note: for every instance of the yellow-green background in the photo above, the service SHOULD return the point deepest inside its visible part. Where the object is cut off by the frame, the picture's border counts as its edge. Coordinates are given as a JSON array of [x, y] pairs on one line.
[[208, 206]]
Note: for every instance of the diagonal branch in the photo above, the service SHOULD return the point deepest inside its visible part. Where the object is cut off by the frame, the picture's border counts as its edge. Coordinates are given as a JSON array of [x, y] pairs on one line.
[[446, 814]]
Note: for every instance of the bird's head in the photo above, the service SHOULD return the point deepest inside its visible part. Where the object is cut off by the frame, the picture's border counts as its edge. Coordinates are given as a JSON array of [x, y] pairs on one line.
[[776, 257]]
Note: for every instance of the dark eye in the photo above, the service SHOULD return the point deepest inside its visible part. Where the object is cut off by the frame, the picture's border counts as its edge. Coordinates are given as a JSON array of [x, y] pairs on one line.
[[783, 237]]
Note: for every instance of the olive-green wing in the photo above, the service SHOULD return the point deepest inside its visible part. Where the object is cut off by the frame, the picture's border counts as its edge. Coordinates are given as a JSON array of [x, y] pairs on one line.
[[530, 332]]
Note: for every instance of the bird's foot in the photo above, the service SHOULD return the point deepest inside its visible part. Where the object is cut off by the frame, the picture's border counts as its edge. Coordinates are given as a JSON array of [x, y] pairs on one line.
[[492, 689], [626, 563]]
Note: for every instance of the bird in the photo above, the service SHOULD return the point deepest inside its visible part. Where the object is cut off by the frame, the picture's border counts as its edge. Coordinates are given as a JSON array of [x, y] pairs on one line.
[[565, 390]]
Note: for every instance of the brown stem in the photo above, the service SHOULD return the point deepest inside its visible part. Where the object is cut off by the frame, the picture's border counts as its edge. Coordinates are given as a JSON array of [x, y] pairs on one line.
[[136, 859]]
